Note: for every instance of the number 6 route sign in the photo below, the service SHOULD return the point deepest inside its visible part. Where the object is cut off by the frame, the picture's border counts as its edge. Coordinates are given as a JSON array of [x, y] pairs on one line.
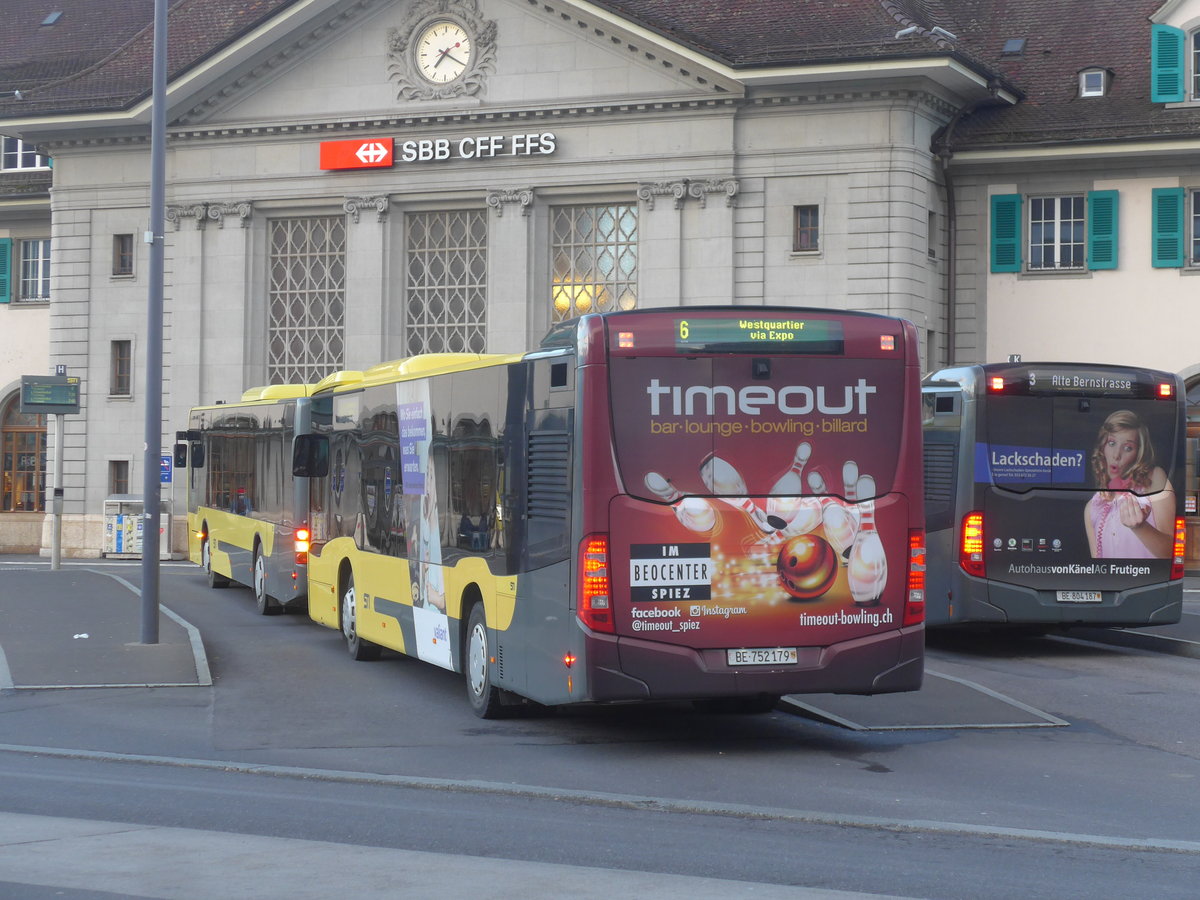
[[365, 153]]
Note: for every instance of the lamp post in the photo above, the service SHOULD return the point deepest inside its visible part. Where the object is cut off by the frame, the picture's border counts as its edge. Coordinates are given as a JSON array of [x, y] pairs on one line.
[[151, 485]]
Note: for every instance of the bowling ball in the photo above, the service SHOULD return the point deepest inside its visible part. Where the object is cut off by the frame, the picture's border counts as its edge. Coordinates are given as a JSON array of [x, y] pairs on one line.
[[807, 566]]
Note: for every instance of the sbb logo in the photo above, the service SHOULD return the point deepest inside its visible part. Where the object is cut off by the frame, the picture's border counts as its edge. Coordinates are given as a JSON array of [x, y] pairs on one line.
[[424, 151]]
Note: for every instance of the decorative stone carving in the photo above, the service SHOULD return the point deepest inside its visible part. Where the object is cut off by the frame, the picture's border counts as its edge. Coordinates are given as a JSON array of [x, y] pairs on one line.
[[402, 69], [647, 192], [219, 211], [497, 199], [197, 211], [681, 190], [354, 205], [701, 189]]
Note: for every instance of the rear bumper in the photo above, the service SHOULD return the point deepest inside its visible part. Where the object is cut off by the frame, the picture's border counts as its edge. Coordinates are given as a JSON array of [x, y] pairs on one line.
[[977, 600], [625, 668]]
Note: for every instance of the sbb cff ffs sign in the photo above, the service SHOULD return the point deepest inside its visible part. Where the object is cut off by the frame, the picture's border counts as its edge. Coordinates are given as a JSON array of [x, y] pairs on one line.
[[371, 153]]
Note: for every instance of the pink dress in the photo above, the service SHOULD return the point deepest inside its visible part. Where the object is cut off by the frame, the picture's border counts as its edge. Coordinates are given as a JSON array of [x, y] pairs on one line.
[[1114, 540]]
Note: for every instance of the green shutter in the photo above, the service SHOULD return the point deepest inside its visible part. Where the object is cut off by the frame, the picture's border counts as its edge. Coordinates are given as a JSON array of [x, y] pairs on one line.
[[1102, 229], [1006, 233], [1167, 72], [5, 269], [1167, 227]]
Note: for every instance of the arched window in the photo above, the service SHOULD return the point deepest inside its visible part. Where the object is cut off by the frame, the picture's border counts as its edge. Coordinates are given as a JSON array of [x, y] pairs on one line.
[[23, 454]]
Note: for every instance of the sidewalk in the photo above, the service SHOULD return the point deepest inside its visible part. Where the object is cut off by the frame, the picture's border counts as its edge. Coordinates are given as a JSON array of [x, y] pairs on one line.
[[80, 627]]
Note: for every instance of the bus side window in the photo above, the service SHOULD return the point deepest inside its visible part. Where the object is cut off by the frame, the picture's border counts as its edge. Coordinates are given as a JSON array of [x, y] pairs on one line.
[[310, 456]]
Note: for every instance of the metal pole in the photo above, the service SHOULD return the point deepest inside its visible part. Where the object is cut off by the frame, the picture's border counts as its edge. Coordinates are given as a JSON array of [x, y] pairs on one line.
[[57, 503], [152, 491]]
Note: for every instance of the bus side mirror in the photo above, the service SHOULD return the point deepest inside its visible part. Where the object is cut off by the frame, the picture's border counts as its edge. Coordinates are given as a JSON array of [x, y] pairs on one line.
[[310, 456], [181, 455]]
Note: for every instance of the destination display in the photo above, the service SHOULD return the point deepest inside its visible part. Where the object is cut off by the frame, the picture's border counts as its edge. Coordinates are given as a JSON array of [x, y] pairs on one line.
[[751, 335]]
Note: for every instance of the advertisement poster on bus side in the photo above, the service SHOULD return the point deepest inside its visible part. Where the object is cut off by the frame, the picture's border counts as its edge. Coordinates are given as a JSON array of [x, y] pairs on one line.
[[1083, 493], [419, 496], [763, 514]]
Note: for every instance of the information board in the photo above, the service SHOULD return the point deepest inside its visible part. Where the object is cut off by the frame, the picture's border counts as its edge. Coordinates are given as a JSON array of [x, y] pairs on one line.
[[49, 394]]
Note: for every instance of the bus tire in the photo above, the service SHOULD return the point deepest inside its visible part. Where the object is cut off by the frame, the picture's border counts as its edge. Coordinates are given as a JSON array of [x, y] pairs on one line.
[[483, 696], [360, 648], [215, 580], [267, 606]]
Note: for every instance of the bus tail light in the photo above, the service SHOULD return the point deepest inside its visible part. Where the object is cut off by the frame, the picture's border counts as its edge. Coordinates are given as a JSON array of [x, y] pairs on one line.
[[302, 540], [971, 551], [595, 587], [1180, 545], [914, 605], [1166, 390]]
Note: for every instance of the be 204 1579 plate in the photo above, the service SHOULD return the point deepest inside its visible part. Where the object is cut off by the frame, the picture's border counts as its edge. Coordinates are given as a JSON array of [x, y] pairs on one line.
[[761, 656]]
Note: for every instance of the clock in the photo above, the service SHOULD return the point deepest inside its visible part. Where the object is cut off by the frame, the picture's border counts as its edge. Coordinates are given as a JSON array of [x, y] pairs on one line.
[[443, 51]]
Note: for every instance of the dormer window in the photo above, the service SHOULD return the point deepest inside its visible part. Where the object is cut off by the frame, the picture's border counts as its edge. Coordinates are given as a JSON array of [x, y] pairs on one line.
[[1092, 83]]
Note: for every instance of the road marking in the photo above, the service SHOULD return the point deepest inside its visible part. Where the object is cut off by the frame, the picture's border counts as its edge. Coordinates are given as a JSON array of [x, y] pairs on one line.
[[1047, 720], [629, 801]]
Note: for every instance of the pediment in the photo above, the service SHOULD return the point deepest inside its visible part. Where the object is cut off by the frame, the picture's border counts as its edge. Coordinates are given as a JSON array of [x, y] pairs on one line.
[[364, 66]]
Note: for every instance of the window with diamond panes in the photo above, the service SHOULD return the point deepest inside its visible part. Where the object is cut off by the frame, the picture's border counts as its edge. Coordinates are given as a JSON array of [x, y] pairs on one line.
[[594, 259], [307, 299], [447, 282]]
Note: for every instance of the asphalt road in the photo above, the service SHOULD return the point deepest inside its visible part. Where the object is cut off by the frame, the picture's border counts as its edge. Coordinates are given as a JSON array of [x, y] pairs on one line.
[[1028, 767]]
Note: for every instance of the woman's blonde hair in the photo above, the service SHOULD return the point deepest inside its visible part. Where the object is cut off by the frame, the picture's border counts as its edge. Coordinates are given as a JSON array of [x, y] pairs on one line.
[[1139, 473]]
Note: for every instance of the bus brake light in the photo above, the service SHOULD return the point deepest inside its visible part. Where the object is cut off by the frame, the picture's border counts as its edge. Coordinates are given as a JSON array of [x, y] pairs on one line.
[[302, 544], [971, 555], [1180, 545], [996, 384], [595, 594], [1166, 390], [914, 606]]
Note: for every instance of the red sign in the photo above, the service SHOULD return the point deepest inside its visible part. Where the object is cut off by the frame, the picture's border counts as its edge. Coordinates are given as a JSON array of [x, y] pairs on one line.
[[368, 153]]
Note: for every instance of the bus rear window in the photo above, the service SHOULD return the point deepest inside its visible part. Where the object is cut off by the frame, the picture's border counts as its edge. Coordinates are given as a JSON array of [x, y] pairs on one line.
[[1065, 442], [739, 426]]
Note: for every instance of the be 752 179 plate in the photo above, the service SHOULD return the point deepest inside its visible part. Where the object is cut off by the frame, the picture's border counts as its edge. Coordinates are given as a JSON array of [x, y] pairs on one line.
[[761, 656]]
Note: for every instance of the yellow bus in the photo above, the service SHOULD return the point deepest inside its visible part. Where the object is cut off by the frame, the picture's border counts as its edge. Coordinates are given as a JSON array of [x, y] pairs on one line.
[[247, 513]]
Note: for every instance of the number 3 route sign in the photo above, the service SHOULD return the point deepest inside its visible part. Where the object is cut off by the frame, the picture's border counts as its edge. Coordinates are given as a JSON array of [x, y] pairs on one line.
[[367, 153]]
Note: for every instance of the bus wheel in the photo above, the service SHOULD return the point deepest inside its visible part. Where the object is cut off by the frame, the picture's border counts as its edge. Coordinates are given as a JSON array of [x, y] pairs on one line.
[[214, 580], [266, 605], [359, 648], [477, 666]]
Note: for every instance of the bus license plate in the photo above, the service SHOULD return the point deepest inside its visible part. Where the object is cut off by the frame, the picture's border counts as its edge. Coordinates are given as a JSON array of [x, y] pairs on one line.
[[762, 656], [1079, 597]]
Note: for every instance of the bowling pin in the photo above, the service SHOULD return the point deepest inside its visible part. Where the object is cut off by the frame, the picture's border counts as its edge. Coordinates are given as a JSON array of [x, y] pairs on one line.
[[867, 570], [693, 513], [840, 528], [722, 478], [786, 499]]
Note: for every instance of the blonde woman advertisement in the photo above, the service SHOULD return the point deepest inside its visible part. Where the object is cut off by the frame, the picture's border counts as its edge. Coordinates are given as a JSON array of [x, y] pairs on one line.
[[1132, 515]]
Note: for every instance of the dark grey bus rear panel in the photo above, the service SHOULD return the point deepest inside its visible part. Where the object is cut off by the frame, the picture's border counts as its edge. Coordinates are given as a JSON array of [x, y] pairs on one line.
[[1028, 453]]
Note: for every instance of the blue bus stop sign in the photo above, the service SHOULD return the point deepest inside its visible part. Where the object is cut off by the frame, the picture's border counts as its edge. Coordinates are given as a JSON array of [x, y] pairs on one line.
[[164, 468]]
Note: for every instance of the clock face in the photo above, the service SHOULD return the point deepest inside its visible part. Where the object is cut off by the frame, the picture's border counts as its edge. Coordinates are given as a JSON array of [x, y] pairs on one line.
[[443, 52]]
